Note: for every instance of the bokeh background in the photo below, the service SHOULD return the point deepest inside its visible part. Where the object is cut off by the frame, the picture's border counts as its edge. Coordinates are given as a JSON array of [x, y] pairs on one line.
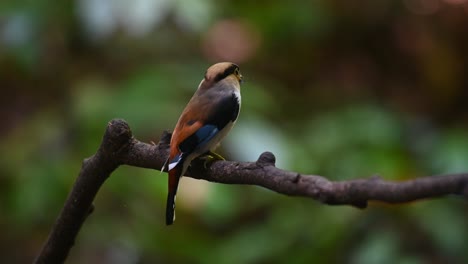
[[345, 89]]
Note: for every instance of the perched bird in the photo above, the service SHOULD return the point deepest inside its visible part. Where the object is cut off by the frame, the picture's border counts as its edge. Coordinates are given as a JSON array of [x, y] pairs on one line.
[[205, 121]]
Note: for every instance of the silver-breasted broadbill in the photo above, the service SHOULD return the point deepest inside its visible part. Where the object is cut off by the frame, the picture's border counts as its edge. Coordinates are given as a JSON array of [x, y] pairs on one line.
[[205, 121]]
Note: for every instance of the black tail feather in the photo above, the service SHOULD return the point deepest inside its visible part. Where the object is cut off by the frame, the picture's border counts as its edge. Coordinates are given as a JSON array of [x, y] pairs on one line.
[[173, 185], [170, 208]]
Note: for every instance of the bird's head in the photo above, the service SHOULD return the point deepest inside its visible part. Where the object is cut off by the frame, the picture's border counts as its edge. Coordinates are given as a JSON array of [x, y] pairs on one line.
[[222, 72]]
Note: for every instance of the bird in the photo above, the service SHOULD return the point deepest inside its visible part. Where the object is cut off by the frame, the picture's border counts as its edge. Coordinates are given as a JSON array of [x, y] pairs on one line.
[[206, 120]]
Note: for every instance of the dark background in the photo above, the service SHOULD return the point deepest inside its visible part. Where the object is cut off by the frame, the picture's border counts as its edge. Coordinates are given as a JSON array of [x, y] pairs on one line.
[[344, 89]]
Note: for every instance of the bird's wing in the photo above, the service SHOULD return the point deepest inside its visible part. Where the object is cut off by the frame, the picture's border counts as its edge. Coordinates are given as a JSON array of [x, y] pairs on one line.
[[195, 128]]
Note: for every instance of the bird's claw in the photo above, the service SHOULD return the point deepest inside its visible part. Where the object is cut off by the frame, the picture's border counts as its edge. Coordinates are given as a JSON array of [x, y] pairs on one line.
[[215, 156], [210, 157]]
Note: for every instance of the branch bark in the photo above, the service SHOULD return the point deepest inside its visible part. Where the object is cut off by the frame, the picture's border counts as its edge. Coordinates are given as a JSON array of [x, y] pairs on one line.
[[119, 147]]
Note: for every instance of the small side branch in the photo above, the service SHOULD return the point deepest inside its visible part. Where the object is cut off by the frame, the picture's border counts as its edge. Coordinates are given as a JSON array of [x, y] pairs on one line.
[[118, 147]]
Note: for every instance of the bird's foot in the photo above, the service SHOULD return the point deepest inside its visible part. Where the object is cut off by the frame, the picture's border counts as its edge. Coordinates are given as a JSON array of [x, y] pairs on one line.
[[210, 157]]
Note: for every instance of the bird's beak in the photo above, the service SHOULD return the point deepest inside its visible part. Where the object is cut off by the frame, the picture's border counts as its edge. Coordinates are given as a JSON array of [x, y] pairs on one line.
[[241, 79]]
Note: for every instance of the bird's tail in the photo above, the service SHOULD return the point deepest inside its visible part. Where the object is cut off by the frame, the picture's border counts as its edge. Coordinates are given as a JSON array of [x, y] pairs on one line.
[[173, 184]]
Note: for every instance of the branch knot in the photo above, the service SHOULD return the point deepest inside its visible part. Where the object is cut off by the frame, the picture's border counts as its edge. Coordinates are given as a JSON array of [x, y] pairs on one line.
[[118, 133], [266, 159]]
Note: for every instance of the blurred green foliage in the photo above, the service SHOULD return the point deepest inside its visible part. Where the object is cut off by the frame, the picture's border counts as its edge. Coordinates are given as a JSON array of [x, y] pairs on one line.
[[344, 89]]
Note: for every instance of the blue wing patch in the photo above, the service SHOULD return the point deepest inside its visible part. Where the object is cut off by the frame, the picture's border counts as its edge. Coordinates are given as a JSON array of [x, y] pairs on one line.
[[206, 133], [199, 138]]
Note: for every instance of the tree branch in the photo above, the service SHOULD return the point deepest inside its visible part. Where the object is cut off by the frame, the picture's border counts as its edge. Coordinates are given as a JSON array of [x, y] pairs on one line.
[[118, 147]]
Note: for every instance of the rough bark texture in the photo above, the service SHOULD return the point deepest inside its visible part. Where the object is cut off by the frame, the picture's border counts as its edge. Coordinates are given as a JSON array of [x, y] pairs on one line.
[[118, 147]]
